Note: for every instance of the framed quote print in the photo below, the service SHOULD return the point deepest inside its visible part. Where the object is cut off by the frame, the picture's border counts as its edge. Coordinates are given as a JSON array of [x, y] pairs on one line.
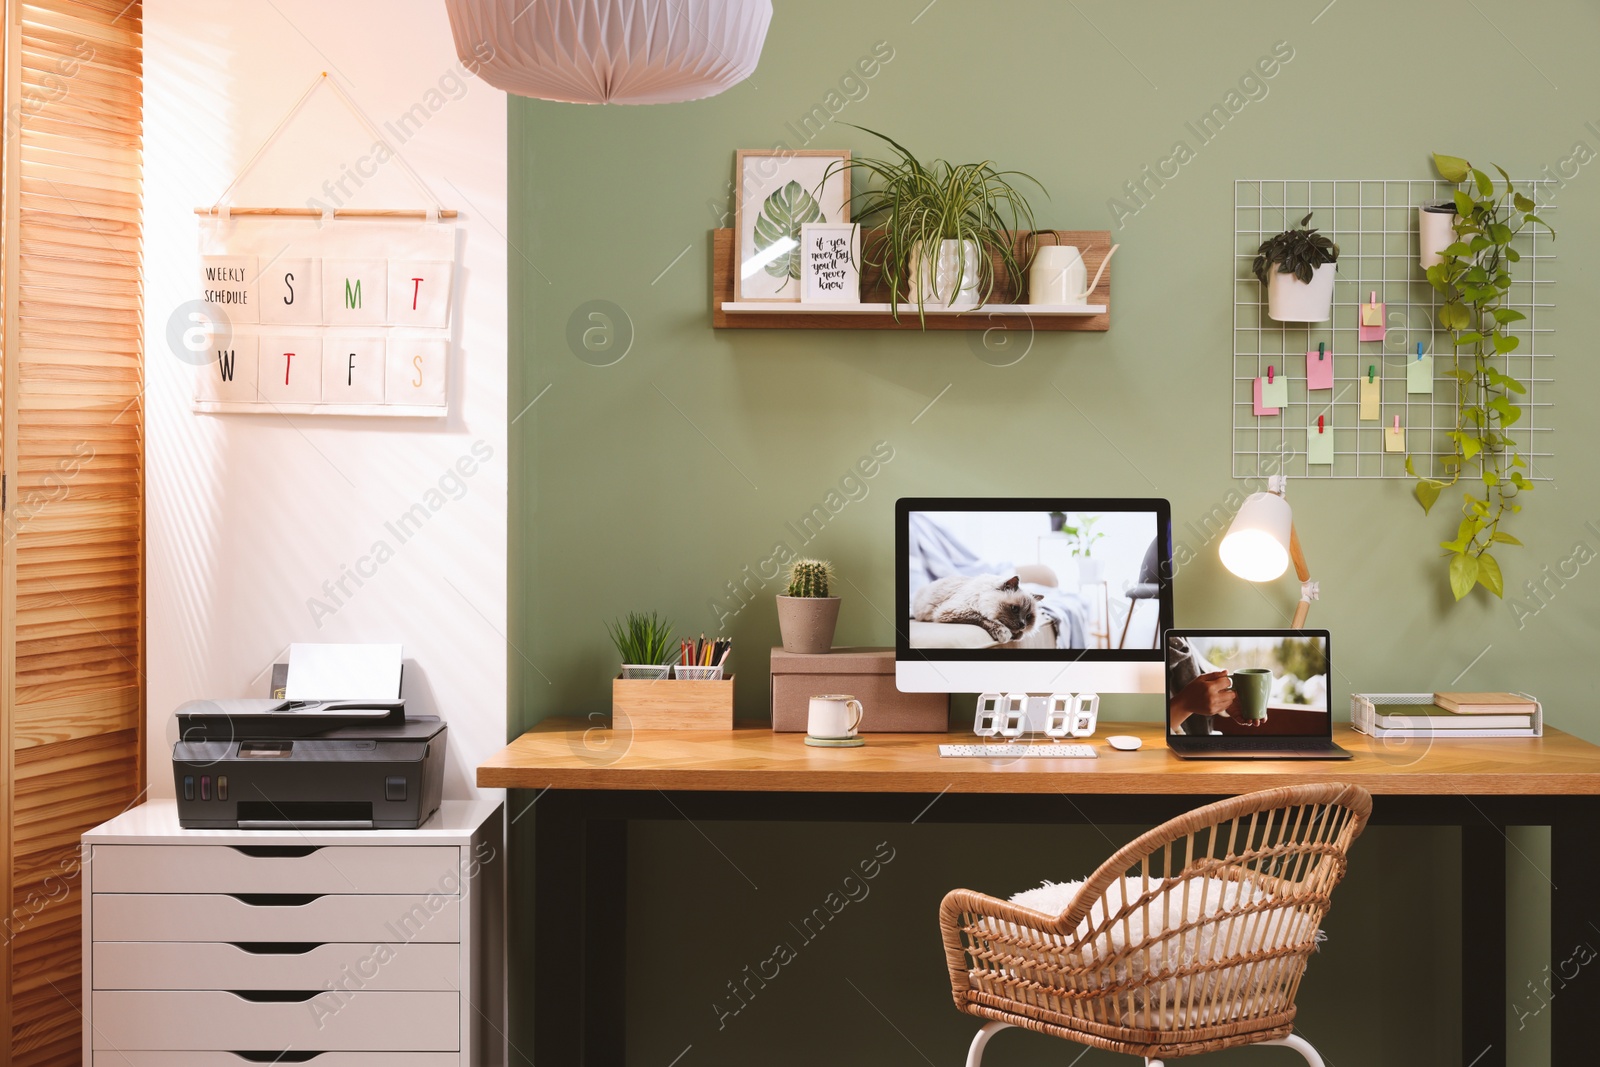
[[777, 192]]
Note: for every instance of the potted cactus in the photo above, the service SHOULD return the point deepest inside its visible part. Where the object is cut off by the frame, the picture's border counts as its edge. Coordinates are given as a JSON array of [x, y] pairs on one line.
[[807, 613]]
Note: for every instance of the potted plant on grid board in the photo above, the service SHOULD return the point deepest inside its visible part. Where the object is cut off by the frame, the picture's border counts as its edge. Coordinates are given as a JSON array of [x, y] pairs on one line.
[[645, 644], [807, 614], [941, 227], [1297, 267], [1474, 276]]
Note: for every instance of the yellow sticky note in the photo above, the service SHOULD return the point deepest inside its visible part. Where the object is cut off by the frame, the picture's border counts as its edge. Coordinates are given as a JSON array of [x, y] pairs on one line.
[[1372, 314], [1419, 375], [1394, 438], [1370, 396]]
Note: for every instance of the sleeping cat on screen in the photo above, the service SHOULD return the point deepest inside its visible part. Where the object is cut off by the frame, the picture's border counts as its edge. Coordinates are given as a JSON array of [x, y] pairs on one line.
[[997, 604]]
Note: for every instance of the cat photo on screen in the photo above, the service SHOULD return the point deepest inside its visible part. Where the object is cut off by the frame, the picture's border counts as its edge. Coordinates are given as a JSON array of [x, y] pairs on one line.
[[1030, 580]]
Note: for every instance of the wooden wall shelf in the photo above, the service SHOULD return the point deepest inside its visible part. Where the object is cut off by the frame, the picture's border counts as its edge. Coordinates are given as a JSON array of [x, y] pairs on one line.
[[873, 312]]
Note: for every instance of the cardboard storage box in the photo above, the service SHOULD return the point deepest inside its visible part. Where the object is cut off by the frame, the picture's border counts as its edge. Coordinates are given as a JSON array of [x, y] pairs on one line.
[[864, 673]]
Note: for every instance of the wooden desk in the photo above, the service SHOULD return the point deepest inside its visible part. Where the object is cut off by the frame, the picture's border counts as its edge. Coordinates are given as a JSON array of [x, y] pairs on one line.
[[595, 780]]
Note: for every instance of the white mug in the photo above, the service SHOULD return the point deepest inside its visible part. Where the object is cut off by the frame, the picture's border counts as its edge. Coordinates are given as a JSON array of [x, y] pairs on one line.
[[833, 717]]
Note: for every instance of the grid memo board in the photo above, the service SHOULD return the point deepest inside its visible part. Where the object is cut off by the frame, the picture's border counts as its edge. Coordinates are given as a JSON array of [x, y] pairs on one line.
[[1374, 223]]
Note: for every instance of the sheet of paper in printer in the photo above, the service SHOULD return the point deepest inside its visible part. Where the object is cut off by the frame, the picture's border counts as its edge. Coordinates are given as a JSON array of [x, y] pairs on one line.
[[343, 672]]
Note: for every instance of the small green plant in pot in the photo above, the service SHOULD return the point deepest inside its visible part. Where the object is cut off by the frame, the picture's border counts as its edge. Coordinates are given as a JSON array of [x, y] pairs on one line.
[[807, 613], [1297, 268], [645, 644], [941, 226], [1474, 276], [1081, 545]]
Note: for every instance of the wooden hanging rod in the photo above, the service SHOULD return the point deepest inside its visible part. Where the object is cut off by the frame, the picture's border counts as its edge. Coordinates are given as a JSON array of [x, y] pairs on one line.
[[342, 213]]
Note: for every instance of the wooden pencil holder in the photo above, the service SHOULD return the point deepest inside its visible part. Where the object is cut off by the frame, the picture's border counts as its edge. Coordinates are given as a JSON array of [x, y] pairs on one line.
[[672, 704]]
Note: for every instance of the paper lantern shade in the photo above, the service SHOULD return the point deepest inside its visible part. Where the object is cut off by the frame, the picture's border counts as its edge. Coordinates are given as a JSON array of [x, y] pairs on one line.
[[611, 51]]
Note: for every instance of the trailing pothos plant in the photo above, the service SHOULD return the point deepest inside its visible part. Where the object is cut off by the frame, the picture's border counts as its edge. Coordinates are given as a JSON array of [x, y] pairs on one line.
[[1474, 277]]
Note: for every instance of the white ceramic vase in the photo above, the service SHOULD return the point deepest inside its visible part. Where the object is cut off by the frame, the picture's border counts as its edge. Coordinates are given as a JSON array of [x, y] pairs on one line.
[[935, 283], [1291, 300]]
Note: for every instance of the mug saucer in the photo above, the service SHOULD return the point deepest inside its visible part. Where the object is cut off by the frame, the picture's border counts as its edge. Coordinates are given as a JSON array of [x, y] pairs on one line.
[[835, 742]]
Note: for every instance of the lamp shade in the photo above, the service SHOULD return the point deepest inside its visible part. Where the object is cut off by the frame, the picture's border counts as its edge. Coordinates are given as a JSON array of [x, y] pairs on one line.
[[1256, 547], [611, 51]]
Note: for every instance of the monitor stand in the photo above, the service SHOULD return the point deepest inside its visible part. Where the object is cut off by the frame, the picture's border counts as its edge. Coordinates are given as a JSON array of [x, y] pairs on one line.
[[1051, 714]]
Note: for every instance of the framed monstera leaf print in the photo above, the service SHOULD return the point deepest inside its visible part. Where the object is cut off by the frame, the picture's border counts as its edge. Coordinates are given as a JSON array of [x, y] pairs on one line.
[[777, 192]]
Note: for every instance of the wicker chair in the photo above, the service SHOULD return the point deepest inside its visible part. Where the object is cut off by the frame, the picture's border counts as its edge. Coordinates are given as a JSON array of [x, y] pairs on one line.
[[1192, 938]]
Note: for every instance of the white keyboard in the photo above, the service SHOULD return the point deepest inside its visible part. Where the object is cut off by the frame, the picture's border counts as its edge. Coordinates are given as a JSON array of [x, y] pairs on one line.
[[1021, 750]]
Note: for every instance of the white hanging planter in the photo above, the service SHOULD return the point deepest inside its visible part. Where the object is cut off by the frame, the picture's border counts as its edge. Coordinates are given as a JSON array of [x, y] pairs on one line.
[[1436, 231], [936, 287], [1291, 300]]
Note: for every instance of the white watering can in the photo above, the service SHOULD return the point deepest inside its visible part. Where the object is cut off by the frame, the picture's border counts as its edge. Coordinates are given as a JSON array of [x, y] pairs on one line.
[[1058, 275]]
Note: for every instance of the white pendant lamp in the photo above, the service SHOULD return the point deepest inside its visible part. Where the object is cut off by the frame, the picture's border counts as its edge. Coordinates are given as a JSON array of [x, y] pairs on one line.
[[611, 51]]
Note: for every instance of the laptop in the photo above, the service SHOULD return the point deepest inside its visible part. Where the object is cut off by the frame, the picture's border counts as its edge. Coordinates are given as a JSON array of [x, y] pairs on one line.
[[1250, 694]]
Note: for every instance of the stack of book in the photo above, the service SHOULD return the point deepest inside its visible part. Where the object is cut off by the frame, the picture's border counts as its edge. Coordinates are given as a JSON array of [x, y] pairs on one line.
[[1442, 715]]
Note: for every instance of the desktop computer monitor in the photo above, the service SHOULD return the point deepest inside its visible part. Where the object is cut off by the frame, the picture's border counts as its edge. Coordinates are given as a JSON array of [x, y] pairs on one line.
[[1038, 595]]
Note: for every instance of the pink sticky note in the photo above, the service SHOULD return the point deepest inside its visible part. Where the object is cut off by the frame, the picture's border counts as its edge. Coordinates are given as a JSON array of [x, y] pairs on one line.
[[1259, 409], [1319, 370]]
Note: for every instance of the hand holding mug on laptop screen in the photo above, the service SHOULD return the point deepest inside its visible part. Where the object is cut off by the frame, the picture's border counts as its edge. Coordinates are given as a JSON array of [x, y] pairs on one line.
[[1253, 688]]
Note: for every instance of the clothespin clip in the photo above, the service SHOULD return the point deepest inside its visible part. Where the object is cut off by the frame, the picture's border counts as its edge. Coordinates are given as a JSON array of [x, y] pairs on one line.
[[1322, 350], [1269, 374], [1397, 424], [1371, 370], [1319, 424], [1419, 349]]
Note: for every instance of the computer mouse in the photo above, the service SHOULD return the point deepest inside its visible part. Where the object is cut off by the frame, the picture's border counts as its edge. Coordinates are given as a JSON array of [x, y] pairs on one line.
[[1124, 742]]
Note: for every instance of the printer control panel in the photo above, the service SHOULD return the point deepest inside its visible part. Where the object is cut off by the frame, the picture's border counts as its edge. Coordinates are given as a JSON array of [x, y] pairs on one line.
[[265, 749]]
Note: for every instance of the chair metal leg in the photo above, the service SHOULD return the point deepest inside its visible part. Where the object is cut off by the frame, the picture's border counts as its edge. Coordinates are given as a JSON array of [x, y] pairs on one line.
[[980, 1039], [1122, 642], [1300, 1045]]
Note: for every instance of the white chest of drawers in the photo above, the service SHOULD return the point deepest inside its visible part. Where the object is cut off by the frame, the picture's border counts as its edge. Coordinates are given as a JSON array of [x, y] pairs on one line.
[[339, 948]]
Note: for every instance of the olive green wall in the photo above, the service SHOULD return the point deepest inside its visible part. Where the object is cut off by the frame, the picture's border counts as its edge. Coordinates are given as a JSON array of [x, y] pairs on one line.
[[653, 481]]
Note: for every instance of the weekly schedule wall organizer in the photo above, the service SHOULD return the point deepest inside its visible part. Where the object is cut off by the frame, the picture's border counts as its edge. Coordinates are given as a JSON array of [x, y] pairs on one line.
[[1315, 400], [321, 311]]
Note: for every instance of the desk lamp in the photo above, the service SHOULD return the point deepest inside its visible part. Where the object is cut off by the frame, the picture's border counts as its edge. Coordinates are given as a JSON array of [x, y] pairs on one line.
[[1262, 541]]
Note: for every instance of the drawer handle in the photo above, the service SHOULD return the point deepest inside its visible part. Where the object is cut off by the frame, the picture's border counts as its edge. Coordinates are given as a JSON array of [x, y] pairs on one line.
[[276, 851], [275, 900], [286, 1056], [276, 948], [276, 996]]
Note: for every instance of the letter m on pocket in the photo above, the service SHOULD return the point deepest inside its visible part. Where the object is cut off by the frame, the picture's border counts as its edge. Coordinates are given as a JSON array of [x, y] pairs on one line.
[[352, 294]]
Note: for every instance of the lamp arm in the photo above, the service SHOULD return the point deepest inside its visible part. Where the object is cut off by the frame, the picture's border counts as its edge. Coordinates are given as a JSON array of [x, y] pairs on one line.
[[1308, 588]]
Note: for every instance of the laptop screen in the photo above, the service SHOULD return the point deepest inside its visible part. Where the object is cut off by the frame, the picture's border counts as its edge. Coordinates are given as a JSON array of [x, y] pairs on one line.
[[1248, 683]]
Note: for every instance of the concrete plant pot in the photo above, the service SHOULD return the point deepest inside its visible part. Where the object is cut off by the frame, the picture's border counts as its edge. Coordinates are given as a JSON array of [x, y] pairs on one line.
[[807, 623]]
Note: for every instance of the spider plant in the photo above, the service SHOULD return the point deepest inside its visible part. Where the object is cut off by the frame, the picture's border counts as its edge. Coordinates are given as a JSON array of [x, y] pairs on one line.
[[920, 204]]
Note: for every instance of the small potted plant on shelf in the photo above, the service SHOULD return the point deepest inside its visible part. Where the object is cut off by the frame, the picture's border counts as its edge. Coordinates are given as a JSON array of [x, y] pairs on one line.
[[1297, 268], [942, 227], [645, 644], [807, 615], [1058, 519]]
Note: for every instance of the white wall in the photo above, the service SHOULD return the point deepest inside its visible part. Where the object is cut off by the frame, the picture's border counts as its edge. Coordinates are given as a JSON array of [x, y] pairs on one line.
[[248, 515]]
